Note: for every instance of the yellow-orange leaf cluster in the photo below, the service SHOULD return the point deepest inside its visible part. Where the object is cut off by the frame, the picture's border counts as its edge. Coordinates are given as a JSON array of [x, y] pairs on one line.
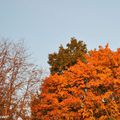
[[86, 91]]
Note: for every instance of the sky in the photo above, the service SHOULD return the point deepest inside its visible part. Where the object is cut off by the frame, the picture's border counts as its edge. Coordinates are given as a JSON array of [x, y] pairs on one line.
[[46, 24]]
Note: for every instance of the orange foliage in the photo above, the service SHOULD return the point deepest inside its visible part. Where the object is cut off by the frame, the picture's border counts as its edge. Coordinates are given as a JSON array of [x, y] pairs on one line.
[[86, 91]]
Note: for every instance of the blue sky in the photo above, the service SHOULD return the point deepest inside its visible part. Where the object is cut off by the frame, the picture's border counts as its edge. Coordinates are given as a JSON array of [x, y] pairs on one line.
[[45, 24]]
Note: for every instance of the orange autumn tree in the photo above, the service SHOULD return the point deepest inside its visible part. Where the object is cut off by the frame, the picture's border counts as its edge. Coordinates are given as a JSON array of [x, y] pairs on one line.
[[86, 91]]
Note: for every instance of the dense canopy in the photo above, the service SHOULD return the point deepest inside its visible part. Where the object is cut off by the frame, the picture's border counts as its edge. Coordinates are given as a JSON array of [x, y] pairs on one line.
[[86, 91], [67, 57]]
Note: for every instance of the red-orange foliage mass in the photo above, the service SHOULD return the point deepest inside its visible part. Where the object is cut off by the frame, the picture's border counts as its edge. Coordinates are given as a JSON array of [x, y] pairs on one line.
[[87, 91]]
